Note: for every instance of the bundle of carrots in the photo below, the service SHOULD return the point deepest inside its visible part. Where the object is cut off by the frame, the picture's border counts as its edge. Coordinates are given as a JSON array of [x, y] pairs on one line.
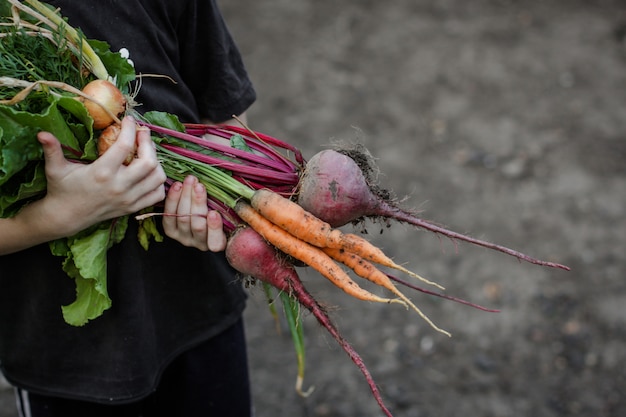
[[279, 211]]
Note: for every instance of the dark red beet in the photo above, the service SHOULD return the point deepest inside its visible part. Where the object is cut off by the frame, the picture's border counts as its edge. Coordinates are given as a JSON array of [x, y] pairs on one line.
[[251, 255], [337, 187]]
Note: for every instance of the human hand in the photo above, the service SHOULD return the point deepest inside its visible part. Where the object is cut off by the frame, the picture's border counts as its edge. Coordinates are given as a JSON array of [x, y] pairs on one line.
[[79, 195], [191, 223]]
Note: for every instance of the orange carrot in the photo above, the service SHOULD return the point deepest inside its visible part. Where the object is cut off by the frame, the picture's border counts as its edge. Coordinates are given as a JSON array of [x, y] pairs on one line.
[[365, 249], [300, 223], [291, 217], [304, 252], [368, 271]]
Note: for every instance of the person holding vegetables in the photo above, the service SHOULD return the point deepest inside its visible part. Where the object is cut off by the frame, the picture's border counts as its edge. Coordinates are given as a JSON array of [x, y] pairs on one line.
[[173, 342]]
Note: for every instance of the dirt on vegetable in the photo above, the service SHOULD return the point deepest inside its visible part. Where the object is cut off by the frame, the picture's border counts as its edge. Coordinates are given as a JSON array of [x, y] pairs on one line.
[[496, 118]]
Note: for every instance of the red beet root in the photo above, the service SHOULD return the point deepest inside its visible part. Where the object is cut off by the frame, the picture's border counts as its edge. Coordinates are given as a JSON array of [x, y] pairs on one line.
[[251, 255], [337, 187]]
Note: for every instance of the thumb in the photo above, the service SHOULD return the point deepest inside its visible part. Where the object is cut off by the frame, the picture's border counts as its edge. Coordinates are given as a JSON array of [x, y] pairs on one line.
[[52, 152]]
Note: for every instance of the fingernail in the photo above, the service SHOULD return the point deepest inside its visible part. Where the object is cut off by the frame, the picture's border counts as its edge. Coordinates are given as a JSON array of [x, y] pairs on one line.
[[214, 220]]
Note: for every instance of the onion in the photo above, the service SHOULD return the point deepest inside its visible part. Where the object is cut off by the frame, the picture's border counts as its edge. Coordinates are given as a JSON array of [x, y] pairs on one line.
[[108, 137], [105, 101]]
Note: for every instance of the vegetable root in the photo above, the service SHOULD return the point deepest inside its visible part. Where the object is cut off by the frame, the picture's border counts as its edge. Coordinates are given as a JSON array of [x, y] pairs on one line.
[[105, 103], [366, 250], [310, 255], [337, 187], [444, 296], [294, 219], [108, 137], [262, 262], [368, 271], [404, 216]]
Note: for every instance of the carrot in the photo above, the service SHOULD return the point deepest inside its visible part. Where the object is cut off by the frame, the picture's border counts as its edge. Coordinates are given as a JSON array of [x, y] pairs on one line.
[[291, 217], [362, 247], [300, 223], [368, 271], [304, 252]]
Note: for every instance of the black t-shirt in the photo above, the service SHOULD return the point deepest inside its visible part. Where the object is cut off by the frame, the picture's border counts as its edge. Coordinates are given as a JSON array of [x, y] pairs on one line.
[[167, 299]]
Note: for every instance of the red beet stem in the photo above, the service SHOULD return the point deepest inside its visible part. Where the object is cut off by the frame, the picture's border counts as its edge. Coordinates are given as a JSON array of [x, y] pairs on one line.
[[225, 150], [268, 139], [257, 140], [266, 174]]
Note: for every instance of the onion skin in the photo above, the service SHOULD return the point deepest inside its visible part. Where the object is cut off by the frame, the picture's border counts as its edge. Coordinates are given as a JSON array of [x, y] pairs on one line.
[[108, 137], [104, 92]]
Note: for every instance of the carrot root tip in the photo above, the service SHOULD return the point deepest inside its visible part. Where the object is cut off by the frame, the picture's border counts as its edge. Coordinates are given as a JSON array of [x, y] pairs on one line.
[[424, 280], [429, 321], [398, 301]]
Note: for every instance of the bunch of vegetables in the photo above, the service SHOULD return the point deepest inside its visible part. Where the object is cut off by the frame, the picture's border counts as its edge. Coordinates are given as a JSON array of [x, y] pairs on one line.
[[280, 210]]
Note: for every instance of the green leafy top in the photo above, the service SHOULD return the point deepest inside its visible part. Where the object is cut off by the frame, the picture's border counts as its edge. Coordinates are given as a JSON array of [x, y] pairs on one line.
[[54, 51]]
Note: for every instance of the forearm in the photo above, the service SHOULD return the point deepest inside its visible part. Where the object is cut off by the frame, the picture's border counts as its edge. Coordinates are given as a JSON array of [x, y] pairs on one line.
[[31, 226], [80, 195], [16, 236]]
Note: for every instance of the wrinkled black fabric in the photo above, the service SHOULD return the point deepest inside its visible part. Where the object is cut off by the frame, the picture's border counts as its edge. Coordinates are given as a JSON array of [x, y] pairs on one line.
[[165, 300], [186, 40], [188, 387]]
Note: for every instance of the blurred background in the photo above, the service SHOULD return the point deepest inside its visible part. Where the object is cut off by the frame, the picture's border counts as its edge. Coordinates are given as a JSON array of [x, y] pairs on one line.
[[502, 119]]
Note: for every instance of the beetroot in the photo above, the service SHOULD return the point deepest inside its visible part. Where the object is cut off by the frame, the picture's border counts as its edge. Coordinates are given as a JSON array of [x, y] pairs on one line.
[[251, 255], [337, 187]]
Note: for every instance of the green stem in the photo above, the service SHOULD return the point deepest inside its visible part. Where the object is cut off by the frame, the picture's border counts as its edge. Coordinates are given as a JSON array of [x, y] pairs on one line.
[[294, 321], [219, 184], [93, 61], [268, 290]]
